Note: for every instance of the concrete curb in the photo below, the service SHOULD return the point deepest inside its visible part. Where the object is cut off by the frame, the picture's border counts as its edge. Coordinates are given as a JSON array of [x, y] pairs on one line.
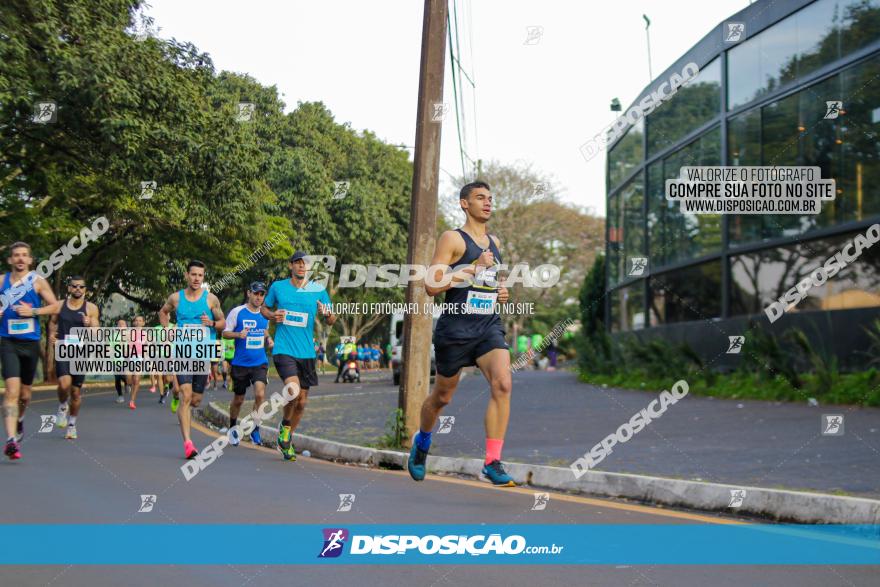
[[775, 504]]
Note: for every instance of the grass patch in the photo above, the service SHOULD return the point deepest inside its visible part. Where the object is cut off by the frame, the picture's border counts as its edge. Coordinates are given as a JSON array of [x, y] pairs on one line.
[[862, 389]]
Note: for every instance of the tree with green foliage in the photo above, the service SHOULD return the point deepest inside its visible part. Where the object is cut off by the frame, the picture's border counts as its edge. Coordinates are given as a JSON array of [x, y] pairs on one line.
[[132, 110], [128, 112], [592, 299]]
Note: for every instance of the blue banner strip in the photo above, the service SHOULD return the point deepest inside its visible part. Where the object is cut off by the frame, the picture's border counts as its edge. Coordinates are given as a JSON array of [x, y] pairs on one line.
[[523, 544]]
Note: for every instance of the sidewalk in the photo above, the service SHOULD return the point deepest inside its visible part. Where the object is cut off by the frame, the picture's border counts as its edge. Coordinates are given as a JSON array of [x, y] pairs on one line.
[[556, 419]]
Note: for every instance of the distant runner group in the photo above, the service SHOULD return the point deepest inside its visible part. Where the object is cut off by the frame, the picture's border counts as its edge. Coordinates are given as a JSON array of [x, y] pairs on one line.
[[467, 338]]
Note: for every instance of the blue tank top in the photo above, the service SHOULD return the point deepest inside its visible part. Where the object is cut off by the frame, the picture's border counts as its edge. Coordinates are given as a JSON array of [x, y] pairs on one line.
[[190, 313], [12, 325], [475, 304]]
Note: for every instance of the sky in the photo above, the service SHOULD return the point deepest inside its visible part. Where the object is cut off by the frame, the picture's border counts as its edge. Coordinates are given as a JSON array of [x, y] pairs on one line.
[[537, 96]]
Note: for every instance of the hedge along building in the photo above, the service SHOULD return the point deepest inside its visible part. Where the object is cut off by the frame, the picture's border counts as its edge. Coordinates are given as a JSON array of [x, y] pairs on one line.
[[759, 100]]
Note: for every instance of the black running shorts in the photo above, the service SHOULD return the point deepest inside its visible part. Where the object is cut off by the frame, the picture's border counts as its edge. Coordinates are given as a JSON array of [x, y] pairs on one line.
[[19, 358], [288, 366], [198, 382], [244, 377], [452, 355], [62, 369]]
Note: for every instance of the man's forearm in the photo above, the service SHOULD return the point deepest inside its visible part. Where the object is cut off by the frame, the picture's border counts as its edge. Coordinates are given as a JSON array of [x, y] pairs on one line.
[[48, 310]]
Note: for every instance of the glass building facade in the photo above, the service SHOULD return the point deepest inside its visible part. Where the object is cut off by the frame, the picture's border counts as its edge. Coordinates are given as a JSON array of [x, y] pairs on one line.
[[760, 101]]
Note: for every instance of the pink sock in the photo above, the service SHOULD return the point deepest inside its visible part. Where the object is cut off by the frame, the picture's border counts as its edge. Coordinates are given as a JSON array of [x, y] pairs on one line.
[[493, 449]]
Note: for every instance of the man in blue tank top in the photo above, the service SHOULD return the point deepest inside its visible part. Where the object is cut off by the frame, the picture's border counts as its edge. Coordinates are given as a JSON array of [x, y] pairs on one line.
[[296, 302], [23, 292], [194, 306], [250, 365], [470, 331]]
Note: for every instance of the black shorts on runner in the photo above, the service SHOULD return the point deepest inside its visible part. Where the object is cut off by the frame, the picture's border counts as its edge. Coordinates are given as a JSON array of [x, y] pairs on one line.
[[288, 366], [198, 382], [19, 359], [62, 368], [452, 355], [244, 377]]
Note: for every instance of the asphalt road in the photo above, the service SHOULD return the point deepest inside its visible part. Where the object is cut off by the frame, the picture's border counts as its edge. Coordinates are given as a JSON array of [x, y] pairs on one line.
[[121, 454], [555, 419]]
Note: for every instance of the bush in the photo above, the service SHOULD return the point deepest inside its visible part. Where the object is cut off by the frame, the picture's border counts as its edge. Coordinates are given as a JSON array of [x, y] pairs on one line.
[[786, 368]]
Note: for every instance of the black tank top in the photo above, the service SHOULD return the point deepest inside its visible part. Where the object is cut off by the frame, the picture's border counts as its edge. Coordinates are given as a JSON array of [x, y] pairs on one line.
[[473, 312], [69, 318]]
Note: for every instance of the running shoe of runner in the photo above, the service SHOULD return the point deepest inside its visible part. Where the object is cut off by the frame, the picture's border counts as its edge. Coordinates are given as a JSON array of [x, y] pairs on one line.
[[469, 331], [293, 304], [75, 312], [194, 306], [248, 331], [23, 294]]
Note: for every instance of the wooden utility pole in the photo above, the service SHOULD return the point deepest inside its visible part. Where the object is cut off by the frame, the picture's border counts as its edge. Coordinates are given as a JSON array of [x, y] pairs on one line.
[[416, 375]]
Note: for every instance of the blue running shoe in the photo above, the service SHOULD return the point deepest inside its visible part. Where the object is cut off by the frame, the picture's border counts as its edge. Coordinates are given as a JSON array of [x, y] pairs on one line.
[[416, 463], [495, 472], [234, 436], [255, 436]]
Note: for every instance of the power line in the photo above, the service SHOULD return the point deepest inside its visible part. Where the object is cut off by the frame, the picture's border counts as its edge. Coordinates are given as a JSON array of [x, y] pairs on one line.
[[455, 91], [458, 74], [470, 32]]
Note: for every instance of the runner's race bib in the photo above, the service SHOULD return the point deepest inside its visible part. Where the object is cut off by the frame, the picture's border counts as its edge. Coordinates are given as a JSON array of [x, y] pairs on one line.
[[479, 302], [21, 325], [254, 342], [298, 319]]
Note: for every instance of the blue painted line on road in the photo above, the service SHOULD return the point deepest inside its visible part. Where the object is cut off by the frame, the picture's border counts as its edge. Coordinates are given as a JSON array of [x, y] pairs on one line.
[[523, 544]]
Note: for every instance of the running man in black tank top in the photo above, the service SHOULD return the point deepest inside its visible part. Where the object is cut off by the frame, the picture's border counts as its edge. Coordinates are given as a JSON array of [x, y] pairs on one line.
[[471, 333], [76, 312]]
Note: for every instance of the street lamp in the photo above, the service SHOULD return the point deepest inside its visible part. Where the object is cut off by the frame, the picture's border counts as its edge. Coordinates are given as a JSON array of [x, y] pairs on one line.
[[648, 35]]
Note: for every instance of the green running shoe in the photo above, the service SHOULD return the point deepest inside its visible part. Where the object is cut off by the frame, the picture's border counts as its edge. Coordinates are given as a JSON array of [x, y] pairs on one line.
[[175, 401], [285, 445]]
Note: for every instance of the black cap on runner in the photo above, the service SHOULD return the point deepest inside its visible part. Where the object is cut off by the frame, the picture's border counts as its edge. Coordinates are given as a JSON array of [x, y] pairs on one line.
[[258, 286], [297, 256]]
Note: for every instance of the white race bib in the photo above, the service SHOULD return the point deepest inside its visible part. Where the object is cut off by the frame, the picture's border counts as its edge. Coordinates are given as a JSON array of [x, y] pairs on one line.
[[481, 302], [254, 342], [298, 319], [21, 325]]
